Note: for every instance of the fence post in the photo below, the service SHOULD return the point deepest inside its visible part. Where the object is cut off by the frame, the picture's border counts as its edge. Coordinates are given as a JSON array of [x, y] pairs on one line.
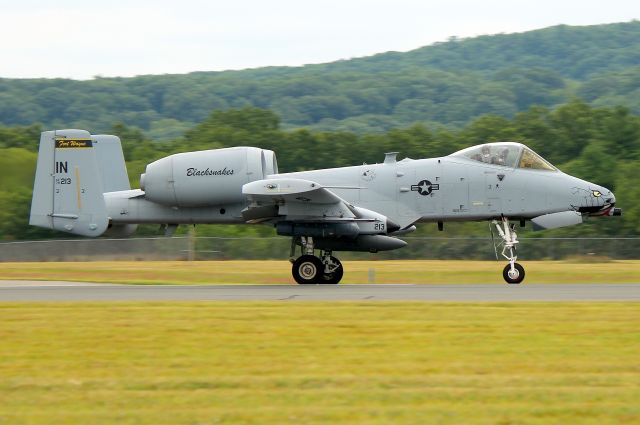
[[372, 275], [191, 241]]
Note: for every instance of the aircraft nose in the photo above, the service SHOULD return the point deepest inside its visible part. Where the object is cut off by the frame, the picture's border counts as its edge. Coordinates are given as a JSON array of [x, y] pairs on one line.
[[608, 196], [612, 201], [599, 201]]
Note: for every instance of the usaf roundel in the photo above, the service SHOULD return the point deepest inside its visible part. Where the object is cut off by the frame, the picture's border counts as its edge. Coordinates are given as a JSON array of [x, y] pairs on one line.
[[424, 187]]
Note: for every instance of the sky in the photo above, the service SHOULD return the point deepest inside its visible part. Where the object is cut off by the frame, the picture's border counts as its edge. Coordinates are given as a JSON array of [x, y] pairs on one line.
[[84, 39]]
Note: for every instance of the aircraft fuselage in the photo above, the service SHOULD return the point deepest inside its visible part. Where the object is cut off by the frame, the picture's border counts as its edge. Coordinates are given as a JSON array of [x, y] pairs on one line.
[[409, 191]]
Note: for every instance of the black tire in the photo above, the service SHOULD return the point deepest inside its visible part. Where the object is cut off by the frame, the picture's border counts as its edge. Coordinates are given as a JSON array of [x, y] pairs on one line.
[[510, 279], [307, 270], [335, 277]]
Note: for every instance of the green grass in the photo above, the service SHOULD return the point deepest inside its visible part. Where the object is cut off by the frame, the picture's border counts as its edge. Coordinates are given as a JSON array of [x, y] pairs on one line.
[[279, 272], [311, 363]]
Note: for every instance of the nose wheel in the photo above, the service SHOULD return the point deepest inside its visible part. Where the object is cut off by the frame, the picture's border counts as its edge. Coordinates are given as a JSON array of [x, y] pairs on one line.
[[513, 273]]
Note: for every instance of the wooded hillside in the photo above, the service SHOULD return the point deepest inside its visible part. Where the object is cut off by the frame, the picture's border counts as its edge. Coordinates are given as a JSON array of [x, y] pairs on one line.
[[449, 84]]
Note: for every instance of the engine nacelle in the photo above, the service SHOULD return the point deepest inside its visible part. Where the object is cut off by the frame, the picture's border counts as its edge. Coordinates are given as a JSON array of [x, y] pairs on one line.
[[206, 178]]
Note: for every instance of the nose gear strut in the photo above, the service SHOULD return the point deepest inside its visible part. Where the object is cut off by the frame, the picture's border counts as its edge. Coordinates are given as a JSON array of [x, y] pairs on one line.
[[513, 272]]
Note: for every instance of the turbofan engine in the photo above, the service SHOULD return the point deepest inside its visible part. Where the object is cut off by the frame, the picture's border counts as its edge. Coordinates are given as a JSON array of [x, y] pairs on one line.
[[206, 178]]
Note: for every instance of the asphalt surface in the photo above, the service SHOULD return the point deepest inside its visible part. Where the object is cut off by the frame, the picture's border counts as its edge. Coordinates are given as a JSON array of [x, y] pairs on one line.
[[73, 291]]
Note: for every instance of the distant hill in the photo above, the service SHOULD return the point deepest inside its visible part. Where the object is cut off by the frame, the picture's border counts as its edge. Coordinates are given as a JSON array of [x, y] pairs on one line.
[[448, 83]]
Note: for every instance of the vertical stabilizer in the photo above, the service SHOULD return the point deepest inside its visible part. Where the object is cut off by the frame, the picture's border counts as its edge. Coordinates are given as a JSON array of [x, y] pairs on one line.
[[113, 170], [68, 189]]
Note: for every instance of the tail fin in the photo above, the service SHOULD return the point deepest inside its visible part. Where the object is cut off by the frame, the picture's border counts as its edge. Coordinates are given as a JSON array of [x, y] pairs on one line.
[[74, 170]]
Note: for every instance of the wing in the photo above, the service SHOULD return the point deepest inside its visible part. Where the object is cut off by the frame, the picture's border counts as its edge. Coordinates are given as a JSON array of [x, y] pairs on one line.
[[305, 201], [297, 199], [305, 208]]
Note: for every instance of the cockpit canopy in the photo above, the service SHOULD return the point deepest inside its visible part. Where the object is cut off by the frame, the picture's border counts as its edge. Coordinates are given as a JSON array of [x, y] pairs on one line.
[[506, 154]]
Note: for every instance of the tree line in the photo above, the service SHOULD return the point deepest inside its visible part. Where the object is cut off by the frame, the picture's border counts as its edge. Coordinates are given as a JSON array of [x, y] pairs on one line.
[[599, 144]]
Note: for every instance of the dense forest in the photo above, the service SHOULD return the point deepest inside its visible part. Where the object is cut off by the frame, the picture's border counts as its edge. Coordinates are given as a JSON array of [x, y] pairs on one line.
[[447, 84], [598, 144]]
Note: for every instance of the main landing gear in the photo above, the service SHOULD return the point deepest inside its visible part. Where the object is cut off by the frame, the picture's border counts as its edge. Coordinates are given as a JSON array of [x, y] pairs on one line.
[[513, 272], [309, 269]]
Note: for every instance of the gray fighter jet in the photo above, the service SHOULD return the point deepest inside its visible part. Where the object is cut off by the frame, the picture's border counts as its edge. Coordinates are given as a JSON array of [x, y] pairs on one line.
[[81, 187]]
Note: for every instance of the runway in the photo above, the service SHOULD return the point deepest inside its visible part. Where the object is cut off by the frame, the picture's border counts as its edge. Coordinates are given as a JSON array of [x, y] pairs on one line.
[[11, 291]]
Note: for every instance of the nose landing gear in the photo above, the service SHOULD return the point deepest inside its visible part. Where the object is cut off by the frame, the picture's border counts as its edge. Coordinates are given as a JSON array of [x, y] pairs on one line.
[[513, 272], [309, 269]]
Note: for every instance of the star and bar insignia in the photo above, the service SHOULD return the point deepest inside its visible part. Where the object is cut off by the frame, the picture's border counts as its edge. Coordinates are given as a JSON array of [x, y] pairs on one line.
[[424, 187]]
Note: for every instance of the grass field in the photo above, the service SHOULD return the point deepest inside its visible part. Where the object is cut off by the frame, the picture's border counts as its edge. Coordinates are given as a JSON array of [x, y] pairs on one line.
[[312, 363], [279, 272]]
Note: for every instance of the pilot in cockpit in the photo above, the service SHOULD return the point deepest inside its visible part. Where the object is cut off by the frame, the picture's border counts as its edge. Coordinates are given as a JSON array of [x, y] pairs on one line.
[[500, 159], [486, 154]]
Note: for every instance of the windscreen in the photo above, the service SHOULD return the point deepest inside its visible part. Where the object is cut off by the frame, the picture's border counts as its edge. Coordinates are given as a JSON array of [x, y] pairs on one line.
[[533, 161], [505, 154]]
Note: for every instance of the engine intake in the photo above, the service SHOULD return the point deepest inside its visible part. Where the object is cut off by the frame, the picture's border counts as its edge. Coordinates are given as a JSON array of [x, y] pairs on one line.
[[206, 178]]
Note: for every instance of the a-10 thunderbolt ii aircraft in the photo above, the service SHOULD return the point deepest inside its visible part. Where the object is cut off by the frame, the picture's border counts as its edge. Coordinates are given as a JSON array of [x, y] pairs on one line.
[[81, 187]]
